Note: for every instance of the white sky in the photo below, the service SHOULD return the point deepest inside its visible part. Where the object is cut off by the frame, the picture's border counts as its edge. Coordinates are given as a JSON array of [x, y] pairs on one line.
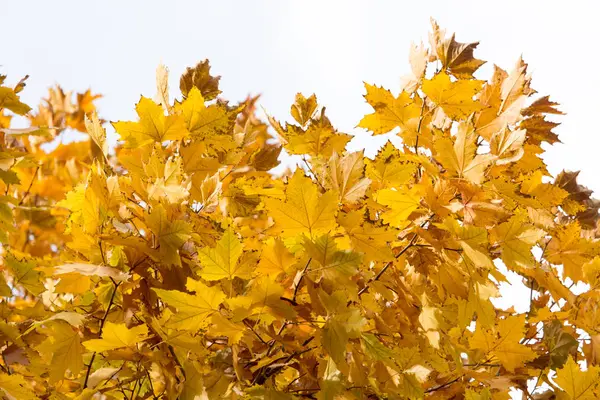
[[279, 48]]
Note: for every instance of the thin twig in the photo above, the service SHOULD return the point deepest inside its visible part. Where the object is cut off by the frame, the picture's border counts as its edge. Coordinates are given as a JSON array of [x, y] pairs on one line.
[[6, 363], [433, 389], [419, 127], [388, 264], [30, 185], [313, 173], [102, 322], [300, 280], [253, 331]]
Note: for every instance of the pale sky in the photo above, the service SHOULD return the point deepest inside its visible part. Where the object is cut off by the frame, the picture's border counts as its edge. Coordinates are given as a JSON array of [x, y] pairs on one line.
[[279, 48]]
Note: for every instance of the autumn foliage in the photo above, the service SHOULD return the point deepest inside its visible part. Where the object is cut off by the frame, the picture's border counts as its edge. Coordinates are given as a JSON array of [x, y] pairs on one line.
[[177, 266]]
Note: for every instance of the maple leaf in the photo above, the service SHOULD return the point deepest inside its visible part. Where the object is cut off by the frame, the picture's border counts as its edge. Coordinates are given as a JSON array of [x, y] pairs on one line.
[[10, 100], [304, 211], [366, 237], [317, 137], [576, 383], [579, 202], [304, 109], [265, 301], [461, 157], [345, 175], [25, 274], [390, 168], [115, 336], [15, 386], [64, 346], [199, 77], [221, 262], [454, 56], [193, 311], [401, 205], [91, 270], [390, 112], [201, 120], [206, 191], [153, 126], [223, 326], [170, 235], [455, 98], [516, 238], [505, 345], [418, 62], [334, 263], [98, 135], [275, 258], [162, 87], [567, 247]]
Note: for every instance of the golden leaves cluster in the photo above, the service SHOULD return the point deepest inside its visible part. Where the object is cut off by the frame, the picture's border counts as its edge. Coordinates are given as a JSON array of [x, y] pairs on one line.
[[178, 265]]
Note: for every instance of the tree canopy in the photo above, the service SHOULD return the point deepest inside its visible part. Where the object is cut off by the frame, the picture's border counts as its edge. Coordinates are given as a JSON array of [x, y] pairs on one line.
[[177, 266]]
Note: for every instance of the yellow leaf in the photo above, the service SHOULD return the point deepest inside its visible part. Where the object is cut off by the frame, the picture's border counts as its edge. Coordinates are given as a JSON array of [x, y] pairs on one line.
[[10, 100], [567, 247], [221, 262], [193, 311], [162, 86], [315, 137], [578, 384], [366, 237], [153, 126], [64, 346], [345, 175], [275, 259], [25, 274], [390, 168], [115, 336], [591, 270], [97, 134], [516, 238], [91, 270], [202, 121], [15, 387], [206, 190], [330, 262], [455, 98], [171, 235], [505, 344], [305, 211], [267, 305], [223, 326], [460, 157], [400, 203], [334, 339], [73, 283], [304, 109], [390, 112]]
